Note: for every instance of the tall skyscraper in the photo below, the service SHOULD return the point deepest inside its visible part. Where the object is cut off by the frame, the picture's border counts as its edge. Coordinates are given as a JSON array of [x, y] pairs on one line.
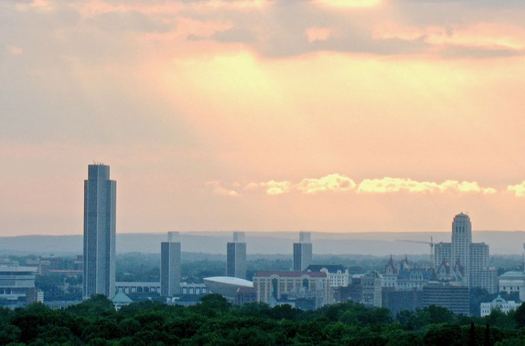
[[170, 265], [236, 256], [469, 260], [302, 252], [461, 241], [99, 232]]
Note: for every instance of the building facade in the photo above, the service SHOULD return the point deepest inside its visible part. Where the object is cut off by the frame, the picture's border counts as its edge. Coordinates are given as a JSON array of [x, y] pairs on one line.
[[99, 232], [479, 262], [406, 276], [302, 252], [134, 287], [397, 301], [499, 304], [390, 274], [513, 283], [371, 284], [170, 265], [452, 297], [275, 288], [338, 275], [489, 280], [17, 286], [236, 256], [442, 254]]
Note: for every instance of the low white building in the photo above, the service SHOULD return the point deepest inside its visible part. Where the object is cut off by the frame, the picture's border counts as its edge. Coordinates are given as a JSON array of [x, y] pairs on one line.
[[277, 288], [338, 275], [498, 304], [513, 282]]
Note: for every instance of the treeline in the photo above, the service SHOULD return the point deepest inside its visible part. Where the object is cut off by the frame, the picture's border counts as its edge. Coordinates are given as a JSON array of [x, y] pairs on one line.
[[215, 322]]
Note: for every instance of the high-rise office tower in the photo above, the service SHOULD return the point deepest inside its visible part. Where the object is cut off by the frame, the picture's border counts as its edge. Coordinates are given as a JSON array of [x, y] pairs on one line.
[[302, 252], [170, 265], [470, 260], [99, 232], [236, 256], [461, 242]]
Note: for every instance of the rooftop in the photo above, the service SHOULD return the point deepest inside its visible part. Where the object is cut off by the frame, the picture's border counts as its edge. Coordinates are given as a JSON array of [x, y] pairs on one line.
[[229, 280], [121, 298], [17, 269], [332, 268], [291, 274], [513, 275], [137, 283]]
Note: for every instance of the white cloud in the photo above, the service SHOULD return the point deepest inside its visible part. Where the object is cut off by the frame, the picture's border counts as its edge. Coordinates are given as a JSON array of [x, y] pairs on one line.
[[518, 189], [277, 187], [391, 185], [340, 183], [271, 187], [219, 189], [331, 182]]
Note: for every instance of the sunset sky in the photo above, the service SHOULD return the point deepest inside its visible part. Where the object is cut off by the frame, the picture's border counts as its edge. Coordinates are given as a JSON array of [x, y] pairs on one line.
[[328, 115]]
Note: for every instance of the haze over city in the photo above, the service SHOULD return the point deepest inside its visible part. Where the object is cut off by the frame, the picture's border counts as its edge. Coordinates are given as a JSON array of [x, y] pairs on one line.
[[328, 116], [262, 172]]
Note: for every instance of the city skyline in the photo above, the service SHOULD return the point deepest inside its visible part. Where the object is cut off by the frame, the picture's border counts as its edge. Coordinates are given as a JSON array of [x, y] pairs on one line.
[[324, 115], [290, 172]]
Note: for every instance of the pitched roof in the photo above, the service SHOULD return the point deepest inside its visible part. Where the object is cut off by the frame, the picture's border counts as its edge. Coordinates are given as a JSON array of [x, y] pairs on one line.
[[121, 298]]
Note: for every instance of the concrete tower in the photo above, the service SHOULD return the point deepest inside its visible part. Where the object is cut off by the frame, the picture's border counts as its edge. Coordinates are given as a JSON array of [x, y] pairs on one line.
[[302, 252], [461, 243], [99, 232], [236, 256], [170, 265]]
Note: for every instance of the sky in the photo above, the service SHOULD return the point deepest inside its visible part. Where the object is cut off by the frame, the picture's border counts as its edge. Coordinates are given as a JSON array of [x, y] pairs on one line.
[[322, 115]]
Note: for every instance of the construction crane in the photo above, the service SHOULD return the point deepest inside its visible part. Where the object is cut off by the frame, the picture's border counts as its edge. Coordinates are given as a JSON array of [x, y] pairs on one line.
[[429, 243]]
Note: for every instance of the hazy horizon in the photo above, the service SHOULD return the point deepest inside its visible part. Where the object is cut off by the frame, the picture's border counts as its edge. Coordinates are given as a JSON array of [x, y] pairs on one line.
[[267, 243], [248, 232], [322, 115]]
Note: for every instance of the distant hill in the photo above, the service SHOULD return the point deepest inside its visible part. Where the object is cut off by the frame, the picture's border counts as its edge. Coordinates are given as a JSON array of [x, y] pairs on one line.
[[372, 243]]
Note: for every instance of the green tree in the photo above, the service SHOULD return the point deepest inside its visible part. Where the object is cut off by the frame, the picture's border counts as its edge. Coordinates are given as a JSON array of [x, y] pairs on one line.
[[9, 333], [449, 335], [519, 315]]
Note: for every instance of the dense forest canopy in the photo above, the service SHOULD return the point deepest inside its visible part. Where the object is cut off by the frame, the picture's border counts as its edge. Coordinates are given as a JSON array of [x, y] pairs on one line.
[[215, 322]]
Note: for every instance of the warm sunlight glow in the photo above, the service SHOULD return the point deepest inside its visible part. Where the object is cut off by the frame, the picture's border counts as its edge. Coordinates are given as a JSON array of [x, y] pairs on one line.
[[326, 115], [351, 3]]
